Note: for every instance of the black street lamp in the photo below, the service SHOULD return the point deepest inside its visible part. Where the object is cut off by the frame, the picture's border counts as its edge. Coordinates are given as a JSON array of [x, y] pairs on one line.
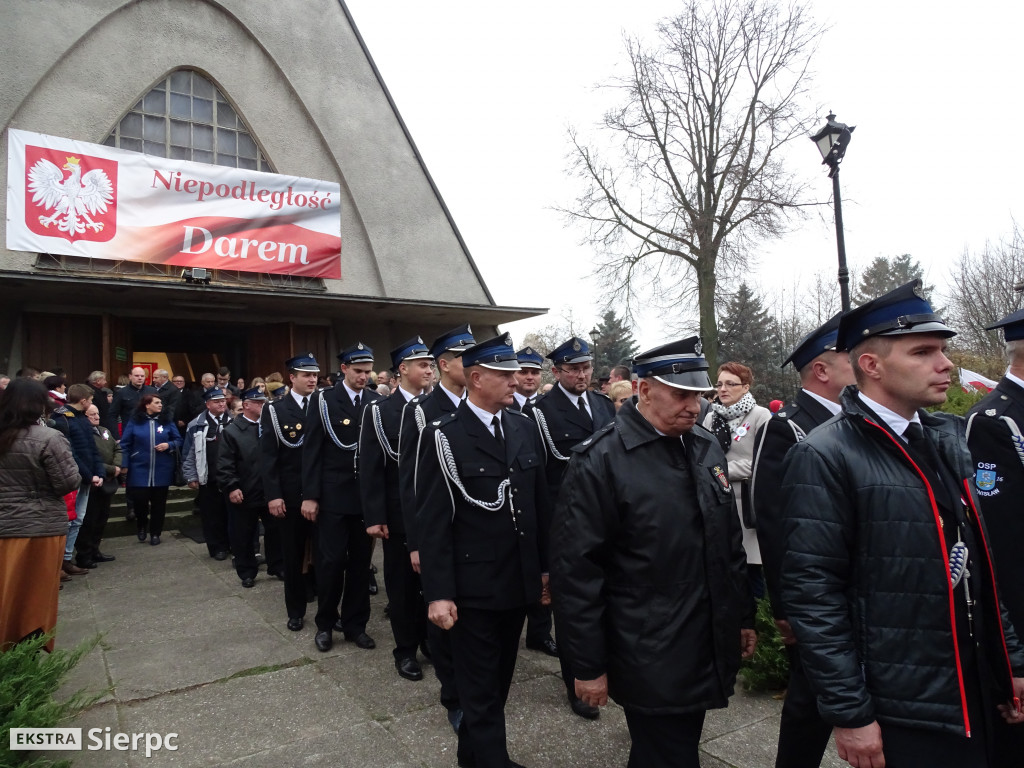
[[832, 141]]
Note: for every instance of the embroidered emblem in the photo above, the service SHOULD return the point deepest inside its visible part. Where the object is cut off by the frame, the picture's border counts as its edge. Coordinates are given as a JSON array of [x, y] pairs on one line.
[[990, 412], [576, 345], [721, 478], [782, 413], [436, 423], [346, 422], [698, 348], [360, 345], [985, 479]]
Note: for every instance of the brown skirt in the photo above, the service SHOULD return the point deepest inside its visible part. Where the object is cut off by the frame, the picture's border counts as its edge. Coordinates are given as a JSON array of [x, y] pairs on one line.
[[29, 582]]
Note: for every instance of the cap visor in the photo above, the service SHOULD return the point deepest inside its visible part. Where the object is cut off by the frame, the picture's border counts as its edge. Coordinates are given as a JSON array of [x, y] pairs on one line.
[[418, 356], [532, 365], [696, 381], [504, 365], [579, 359], [939, 329]]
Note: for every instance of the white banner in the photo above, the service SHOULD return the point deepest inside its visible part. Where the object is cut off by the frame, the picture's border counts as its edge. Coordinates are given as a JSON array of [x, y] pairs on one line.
[[69, 197], [975, 382]]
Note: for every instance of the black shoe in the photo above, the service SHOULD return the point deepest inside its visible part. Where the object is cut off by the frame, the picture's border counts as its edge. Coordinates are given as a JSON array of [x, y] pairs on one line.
[[101, 558], [373, 585], [248, 583], [220, 556], [362, 640], [142, 536], [409, 669], [547, 646], [295, 624], [154, 540], [584, 710], [277, 574], [323, 640], [90, 564]]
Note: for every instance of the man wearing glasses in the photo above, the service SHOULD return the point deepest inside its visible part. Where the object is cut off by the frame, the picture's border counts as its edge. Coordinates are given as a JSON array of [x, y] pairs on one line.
[[566, 416]]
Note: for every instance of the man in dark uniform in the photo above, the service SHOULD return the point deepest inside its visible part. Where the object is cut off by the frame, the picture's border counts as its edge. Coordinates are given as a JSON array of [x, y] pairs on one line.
[[282, 431], [127, 397], [382, 507], [202, 441], [887, 578], [330, 490], [240, 477], [445, 398], [566, 416], [482, 524], [647, 564], [997, 448], [803, 735], [538, 616]]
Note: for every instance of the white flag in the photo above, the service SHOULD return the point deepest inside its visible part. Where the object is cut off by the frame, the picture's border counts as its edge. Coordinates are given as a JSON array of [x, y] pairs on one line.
[[974, 382]]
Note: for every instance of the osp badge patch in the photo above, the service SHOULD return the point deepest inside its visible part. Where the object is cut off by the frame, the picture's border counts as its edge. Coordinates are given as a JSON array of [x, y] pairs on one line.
[[987, 479], [723, 481]]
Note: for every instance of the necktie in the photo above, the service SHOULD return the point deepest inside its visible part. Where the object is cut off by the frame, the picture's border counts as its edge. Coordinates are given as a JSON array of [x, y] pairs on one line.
[[925, 449], [305, 402], [496, 424], [355, 400], [583, 411]]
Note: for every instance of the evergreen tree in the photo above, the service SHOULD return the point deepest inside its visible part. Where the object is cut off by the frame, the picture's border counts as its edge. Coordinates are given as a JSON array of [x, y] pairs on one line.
[[613, 345], [885, 274], [748, 334]]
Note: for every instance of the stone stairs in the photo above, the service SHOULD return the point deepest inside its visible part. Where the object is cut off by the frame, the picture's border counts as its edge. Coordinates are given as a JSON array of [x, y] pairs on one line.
[[181, 513]]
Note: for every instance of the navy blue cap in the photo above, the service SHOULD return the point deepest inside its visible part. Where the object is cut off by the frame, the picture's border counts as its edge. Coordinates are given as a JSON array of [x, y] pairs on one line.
[[411, 349], [497, 354], [680, 364], [529, 358], [357, 353], [575, 350], [254, 394], [456, 340], [816, 342], [899, 312], [213, 393], [1012, 325], [306, 363]]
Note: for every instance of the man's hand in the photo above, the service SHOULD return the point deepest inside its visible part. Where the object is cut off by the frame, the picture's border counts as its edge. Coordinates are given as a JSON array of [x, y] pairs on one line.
[[97, 481], [786, 632], [310, 508], [443, 613], [545, 589], [414, 559], [748, 642], [193, 484], [377, 531], [861, 747], [593, 692], [1011, 711], [236, 496], [276, 507], [163, 447]]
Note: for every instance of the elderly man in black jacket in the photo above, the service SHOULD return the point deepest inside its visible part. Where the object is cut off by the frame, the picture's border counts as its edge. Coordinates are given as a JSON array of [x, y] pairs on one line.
[[887, 579], [648, 575]]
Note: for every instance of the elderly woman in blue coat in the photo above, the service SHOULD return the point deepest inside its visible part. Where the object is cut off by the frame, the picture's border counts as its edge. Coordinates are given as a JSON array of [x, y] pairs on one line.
[[149, 449]]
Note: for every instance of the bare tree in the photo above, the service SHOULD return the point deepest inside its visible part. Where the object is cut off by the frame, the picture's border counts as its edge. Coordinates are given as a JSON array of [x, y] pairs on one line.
[[705, 115], [982, 292]]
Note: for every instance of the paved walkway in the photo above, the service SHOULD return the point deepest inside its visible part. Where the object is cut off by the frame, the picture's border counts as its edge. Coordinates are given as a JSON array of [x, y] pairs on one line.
[[187, 650]]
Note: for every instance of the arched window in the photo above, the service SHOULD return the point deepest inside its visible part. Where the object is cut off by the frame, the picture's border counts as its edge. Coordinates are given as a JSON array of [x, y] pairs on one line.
[[185, 117]]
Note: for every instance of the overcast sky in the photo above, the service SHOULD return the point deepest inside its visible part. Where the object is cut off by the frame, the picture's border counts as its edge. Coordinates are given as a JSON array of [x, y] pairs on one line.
[[488, 91]]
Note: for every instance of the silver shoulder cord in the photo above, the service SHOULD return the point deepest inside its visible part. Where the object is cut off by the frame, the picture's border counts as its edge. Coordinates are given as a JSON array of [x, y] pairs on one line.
[[1015, 434], [451, 472], [421, 418], [325, 417], [378, 427], [542, 425], [280, 436]]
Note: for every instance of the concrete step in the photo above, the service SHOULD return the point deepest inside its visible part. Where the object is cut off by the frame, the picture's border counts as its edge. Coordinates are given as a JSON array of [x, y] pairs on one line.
[[181, 513]]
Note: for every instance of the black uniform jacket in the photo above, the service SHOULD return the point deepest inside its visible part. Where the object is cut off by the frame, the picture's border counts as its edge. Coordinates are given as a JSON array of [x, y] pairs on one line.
[[648, 573], [378, 463], [787, 427], [329, 471], [281, 450], [566, 427], [865, 576], [483, 558], [997, 447], [238, 461], [430, 407]]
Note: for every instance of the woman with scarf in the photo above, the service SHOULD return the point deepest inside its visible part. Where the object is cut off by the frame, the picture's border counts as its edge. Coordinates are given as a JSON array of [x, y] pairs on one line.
[[735, 419], [149, 454]]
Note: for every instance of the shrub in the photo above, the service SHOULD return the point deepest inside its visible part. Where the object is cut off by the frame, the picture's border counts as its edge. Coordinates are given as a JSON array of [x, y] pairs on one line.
[[768, 668]]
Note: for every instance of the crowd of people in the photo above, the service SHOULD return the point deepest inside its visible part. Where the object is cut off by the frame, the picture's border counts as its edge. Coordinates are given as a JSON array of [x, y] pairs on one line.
[[628, 525]]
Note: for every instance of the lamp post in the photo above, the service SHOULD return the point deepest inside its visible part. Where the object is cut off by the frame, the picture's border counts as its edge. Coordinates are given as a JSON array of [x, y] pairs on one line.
[[832, 141]]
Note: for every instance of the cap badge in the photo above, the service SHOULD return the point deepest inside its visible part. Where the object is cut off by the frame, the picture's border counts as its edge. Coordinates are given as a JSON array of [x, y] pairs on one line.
[[508, 339], [576, 345], [917, 291], [469, 329], [419, 339], [698, 348], [990, 412], [360, 345]]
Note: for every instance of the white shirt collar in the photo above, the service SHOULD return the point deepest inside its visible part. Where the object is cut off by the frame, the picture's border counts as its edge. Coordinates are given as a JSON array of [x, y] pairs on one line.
[[406, 394], [833, 408], [520, 399], [451, 395], [1015, 379], [574, 399], [298, 397], [896, 423], [485, 416], [351, 392]]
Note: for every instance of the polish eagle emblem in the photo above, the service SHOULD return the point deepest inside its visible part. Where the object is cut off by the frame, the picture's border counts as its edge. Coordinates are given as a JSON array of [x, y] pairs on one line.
[[74, 200]]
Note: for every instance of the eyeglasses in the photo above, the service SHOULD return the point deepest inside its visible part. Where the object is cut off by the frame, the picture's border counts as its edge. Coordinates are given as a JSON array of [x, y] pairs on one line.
[[728, 384]]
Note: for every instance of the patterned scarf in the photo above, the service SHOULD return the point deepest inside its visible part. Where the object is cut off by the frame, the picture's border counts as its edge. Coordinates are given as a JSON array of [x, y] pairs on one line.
[[723, 414]]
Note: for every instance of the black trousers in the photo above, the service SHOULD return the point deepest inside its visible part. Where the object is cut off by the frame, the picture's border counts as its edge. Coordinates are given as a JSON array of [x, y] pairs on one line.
[[803, 735], [485, 644], [150, 507], [213, 512], [243, 524], [342, 572], [408, 613], [915, 748], [1008, 750], [538, 623], [440, 643], [89, 535], [295, 532], [664, 741]]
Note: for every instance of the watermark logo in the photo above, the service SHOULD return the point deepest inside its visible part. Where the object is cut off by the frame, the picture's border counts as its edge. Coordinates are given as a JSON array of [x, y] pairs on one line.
[[46, 739], [95, 740]]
